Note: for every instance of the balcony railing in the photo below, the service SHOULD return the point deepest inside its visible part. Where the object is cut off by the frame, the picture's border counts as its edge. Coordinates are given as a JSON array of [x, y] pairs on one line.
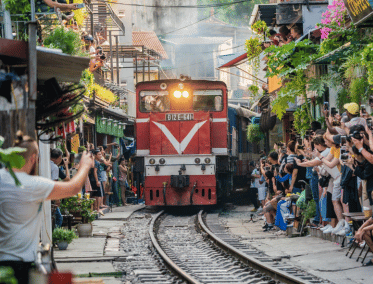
[[102, 18]]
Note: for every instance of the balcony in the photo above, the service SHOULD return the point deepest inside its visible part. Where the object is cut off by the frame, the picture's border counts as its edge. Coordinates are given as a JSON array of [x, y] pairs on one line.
[[102, 18]]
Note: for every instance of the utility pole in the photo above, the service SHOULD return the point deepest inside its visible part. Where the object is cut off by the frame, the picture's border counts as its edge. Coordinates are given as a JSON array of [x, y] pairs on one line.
[[7, 22]]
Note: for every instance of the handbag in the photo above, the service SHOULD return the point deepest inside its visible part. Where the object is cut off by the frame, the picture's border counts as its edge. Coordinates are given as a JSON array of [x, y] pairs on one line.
[[324, 181]]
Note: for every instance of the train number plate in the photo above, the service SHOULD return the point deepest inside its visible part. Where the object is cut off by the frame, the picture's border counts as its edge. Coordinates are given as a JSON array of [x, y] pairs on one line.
[[179, 116]]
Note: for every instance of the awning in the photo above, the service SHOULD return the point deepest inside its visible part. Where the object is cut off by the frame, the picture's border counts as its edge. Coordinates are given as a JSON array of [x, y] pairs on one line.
[[244, 111], [65, 68], [334, 55], [235, 62]]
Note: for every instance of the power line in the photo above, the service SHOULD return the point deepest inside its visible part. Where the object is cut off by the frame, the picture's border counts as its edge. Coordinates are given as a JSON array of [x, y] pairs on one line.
[[215, 5]]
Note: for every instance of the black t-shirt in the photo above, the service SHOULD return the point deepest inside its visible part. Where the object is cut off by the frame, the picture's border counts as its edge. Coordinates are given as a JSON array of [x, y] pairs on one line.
[[61, 174], [302, 171]]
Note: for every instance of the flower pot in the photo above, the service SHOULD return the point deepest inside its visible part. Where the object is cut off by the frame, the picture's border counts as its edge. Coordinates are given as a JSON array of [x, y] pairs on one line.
[[62, 245], [85, 230]]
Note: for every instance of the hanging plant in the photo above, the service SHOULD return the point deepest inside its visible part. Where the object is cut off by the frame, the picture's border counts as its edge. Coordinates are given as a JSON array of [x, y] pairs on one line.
[[104, 93], [254, 135], [367, 61], [254, 90], [333, 18], [260, 27]]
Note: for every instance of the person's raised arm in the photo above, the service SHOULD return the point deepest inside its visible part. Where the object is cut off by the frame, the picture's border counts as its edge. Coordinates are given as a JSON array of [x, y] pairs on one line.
[[72, 187], [365, 153], [62, 7], [331, 128], [312, 163], [66, 163], [293, 179]]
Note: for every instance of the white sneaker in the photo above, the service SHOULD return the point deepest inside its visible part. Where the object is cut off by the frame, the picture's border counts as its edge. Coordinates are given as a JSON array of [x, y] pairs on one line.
[[329, 230], [325, 228], [341, 232], [260, 210], [339, 226]]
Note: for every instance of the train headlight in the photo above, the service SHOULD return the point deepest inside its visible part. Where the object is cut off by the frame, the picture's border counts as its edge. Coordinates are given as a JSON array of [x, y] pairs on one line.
[[177, 94], [152, 161], [207, 160], [185, 94], [163, 86], [197, 160], [162, 161]]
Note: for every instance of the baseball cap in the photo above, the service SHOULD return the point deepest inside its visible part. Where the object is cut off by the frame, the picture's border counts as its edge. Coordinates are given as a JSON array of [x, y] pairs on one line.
[[352, 108]]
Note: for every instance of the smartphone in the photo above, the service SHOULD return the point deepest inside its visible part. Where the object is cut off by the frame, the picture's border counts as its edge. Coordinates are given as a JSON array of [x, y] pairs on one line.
[[343, 139], [80, 6], [363, 109], [326, 105], [300, 141], [371, 100], [333, 111], [369, 123]]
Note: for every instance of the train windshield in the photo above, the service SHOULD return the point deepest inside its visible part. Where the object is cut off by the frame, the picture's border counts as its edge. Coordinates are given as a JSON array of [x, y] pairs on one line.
[[154, 101], [208, 100]]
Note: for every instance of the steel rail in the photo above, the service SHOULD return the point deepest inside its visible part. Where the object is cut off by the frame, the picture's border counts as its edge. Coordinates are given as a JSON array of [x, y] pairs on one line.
[[180, 272], [257, 264]]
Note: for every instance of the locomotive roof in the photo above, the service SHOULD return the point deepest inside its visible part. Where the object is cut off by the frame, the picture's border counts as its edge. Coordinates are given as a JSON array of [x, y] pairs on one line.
[[182, 81]]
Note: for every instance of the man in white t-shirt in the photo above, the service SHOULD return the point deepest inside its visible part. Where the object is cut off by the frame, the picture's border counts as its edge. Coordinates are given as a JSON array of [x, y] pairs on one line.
[[253, 191], [21, 207]]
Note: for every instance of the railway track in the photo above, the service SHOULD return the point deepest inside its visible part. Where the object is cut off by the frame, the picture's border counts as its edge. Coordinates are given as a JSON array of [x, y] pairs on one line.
[[199, 250]]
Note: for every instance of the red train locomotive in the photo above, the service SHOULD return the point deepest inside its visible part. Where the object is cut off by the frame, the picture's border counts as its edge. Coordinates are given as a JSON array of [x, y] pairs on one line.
[[181, 139]]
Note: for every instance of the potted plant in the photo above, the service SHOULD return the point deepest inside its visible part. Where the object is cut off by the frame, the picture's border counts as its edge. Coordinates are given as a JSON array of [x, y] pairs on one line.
[[80, 208], [63, 237]]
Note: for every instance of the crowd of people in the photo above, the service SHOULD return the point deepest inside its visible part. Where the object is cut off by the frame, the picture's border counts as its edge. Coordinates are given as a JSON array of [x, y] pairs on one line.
[[100, 181], [335, 164]]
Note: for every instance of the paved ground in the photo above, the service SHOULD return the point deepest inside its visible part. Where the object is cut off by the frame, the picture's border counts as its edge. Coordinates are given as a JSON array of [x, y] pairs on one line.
[[319, 257], [95, 255]]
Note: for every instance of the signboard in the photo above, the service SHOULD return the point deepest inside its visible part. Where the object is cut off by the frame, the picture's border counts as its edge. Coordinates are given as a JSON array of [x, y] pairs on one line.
[[312, 17], [359, 10], [179, 116]]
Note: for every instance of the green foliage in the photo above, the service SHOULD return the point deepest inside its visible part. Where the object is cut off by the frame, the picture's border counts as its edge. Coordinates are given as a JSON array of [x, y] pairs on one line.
[[260, 27], [254, 135], [296, 86], [366, 60], [253, 89], [88, 80], [21, 7], [310, 211], [302, 120], [79, 205], [67, 40], [12, 159], [63, 235], [289, 58]]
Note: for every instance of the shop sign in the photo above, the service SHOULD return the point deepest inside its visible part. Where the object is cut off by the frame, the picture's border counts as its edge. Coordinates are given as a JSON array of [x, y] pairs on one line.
[[359, 10]]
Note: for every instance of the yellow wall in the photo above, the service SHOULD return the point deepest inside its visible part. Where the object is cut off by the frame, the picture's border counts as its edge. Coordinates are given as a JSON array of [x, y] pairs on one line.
[[274, 83]]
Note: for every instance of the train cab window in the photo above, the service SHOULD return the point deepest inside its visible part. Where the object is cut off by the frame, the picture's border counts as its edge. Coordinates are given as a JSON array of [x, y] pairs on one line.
[[154, 101], [208, 100]]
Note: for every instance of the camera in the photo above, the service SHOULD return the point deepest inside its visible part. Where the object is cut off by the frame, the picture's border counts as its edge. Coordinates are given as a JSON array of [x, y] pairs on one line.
[[267, 169], [300, 147], [283, 151], [326, 105], [345, 157], [280, 144], [357, 135]]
